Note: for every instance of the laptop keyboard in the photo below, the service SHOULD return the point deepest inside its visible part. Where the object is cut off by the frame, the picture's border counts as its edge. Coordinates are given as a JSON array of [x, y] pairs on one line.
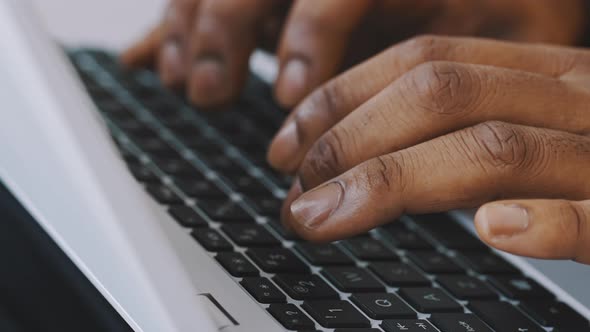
[[208, 169]]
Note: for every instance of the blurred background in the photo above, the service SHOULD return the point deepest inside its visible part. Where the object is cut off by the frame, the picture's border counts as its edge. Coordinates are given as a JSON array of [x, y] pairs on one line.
[[112, 23], [116, 23]]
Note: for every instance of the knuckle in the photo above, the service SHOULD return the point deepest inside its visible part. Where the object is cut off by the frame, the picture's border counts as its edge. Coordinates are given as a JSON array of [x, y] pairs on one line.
[[383, 174], [503, 145], [573, 224], [443, 88], [325, 99], [426, 48], [323, 161], [580, 62]]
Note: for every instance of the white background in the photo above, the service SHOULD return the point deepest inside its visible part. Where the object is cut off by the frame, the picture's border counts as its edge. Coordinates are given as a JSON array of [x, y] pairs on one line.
[[115, 23]]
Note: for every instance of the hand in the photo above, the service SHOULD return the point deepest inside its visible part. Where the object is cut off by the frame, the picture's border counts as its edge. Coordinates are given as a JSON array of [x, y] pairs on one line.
[[435, 124], [205, 45]]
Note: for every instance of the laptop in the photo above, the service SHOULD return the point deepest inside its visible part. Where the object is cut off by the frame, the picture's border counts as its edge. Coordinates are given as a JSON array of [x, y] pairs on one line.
[[172, 213]]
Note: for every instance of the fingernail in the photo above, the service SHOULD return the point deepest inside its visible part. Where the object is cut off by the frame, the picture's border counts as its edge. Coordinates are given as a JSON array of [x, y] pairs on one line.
[[284, 146], [503, 220], [172, 62], [293, 81], [316, 206], [210, 74]]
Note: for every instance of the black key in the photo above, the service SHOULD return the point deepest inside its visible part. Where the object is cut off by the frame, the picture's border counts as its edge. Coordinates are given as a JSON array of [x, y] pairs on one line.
[[585, 327], [290, 316], [222, 164], [142, 173], [404, 238], [333, 314], [188, 135], [552, 313], [153, 144], [503, 316], [202, 146], [458, 323], [277, 260], [175, 166], [283, 232], [282, 181], [429, 300], [174, 121], [488, 263], [246, 183], [370, 249], [267, 205], [250, 235], [132, 126], [360, 329], [163, 194], [519, 287], [263, 290], [224, 211], [154, 101], [352, 279], [399, 274], [305, 287], [382, 306], [434, 262], [180, 126], [465, 287], [407, 325], [199, 187], [448, 232], [129, 157], [211, 240], [323, 254], [236, 264], [186, 216]]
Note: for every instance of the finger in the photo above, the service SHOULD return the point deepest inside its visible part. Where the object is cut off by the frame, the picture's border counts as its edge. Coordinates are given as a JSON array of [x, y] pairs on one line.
[[313, 44], [224, 35], [172, 55], [334, 100], [143, 53], [437, 98], [292, 195], [459, 170], [549, 229]]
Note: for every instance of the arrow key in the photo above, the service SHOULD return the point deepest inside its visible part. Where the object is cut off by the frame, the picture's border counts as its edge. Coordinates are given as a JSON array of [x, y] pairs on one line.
[[407, 325], [459, 323]]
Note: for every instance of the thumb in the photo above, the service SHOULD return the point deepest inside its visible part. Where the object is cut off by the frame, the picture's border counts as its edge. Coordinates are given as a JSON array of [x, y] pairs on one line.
[[550, 229]]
